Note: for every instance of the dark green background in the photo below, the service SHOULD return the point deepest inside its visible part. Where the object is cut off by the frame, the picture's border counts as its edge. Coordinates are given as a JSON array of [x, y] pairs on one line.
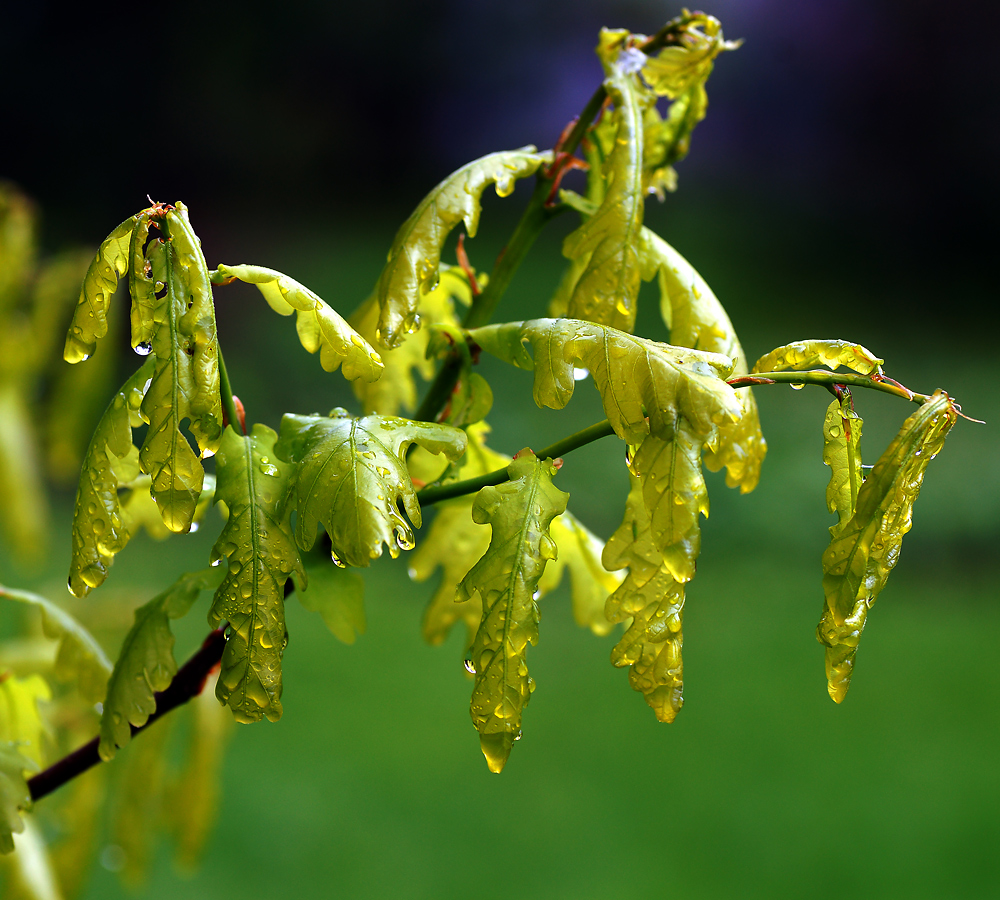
[[845, 190]]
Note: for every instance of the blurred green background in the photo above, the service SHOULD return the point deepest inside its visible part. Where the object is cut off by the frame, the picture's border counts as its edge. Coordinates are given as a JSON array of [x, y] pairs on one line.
[[818, 201]]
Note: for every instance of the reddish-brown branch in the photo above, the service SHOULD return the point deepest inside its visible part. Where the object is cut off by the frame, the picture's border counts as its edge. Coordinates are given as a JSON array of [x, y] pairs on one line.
[[188, 682]]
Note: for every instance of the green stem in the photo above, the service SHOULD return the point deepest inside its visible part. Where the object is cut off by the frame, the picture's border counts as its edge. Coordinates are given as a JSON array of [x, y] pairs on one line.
[[228, 404], [471, 485], [826, 379]]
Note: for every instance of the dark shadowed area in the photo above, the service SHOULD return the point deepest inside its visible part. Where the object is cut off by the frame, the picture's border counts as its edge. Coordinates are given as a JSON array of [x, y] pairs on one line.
[[843, 185]]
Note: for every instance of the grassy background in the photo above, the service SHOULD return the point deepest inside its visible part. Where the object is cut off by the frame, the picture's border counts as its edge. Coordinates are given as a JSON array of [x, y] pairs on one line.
[[372, 785]]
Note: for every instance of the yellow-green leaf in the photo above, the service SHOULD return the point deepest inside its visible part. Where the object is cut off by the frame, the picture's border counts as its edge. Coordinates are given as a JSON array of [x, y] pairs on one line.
[[396, 391], [415, 256], [608, 289], [90, 319], [185, 379], [841, 452], [146, 663], [864, 549], [17, 244], [320, 328], [79, 656], [654, 601], [830, 353], [14, 793], [636, 377], [23, 502], [687, 59], [580, 552], [351, 476], [20, 720], [261, 554], [98, 530], [338, 595], [505, 580]]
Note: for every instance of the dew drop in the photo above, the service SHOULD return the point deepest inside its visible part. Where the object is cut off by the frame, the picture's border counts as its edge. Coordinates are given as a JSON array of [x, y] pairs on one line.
[[194, 527], [144, 348], [580, 374], [217, 562], [337, 560], [797, 386], [469, 667]]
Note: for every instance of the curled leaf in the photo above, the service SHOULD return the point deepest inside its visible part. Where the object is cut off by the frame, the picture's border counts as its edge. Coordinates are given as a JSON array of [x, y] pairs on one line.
[[842, 453], [146, 663], [505, 580], [654, 601], [185, 379], [260, 553], [415, 256], [320, 328], [99, 530], [608, 288], [864, 549], [90, 319], [636, 377], [830, 353], [351, 476]]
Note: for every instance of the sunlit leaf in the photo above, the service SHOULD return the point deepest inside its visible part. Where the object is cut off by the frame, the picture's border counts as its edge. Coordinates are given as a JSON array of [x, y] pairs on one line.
[[185, 379], [320, 327], [580, 552], [14, 793], [90, 319], [636, 377], [864, 549], [338, 595], [261, 554], [654, 601], [146, 661], [842, 453], [79, 656], [607, 290], [351, 477], [505, 580], [98, 531], [415, 255], [20, 720], [809, 354], [396, 390]]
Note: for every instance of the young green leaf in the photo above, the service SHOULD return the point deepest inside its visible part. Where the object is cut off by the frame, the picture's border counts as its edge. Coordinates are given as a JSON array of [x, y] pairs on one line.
[[580, 552], [320, 327], [396, 390], [185, 380], [607, 290], [864, 549], [261, 554], [505, 580], [90, 319], [14, 793], [636, 377], [139, 510], [455, 542], [338, 595], [23, 503], [79, 656], [351, 476], [99, 531], [697, 319], [674, 492], [687, 58], [654, 601], [146, 661], [842, 453], [415, 256], [809, 354], [667, 140]]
